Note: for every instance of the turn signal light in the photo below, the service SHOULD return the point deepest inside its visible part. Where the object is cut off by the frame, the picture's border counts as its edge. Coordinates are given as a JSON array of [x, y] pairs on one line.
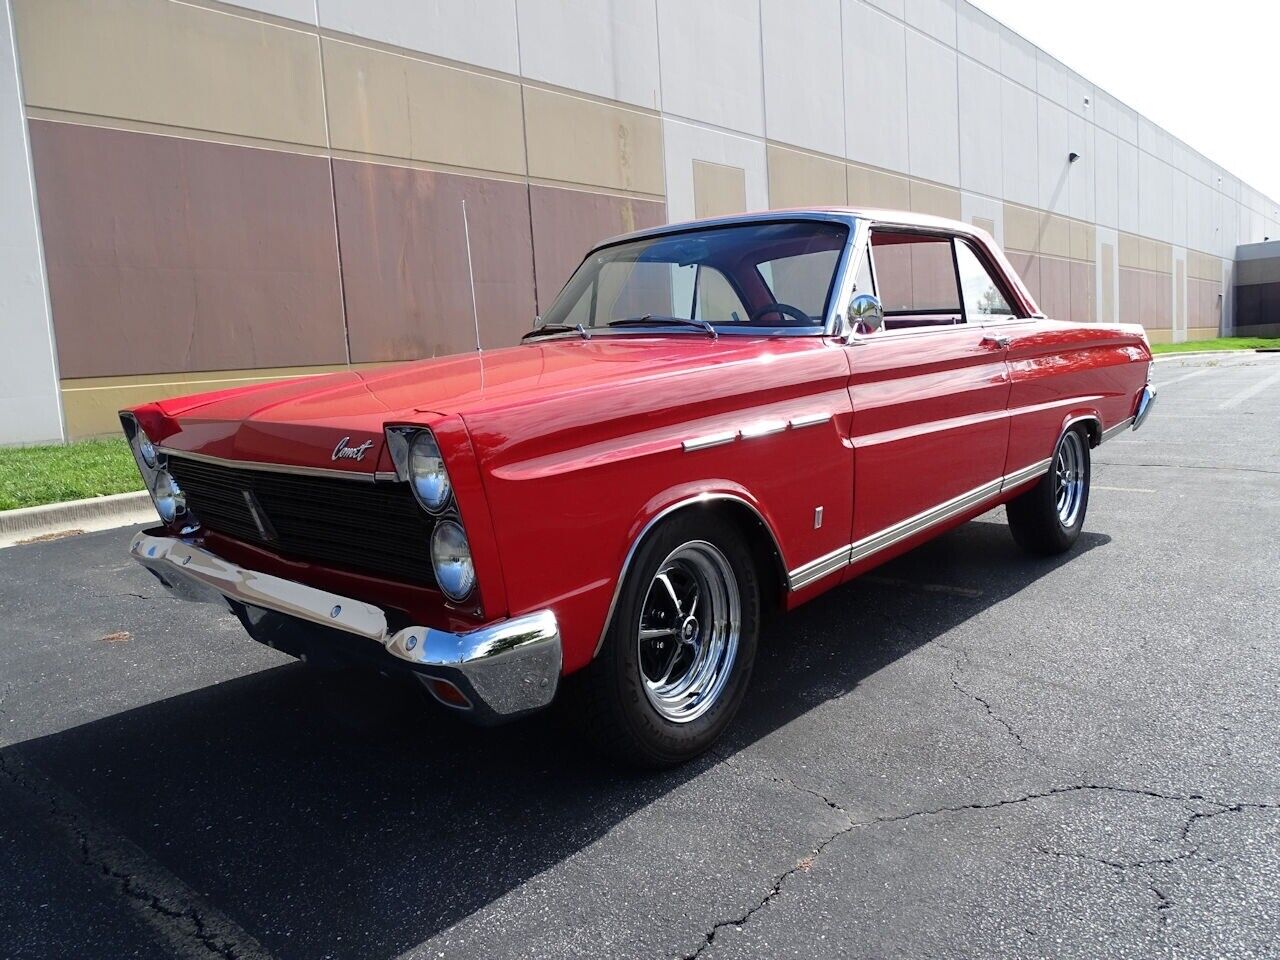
[[447, 693]]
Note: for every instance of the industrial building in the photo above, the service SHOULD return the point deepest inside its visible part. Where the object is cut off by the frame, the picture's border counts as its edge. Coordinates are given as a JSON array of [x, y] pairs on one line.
[[199, 194]]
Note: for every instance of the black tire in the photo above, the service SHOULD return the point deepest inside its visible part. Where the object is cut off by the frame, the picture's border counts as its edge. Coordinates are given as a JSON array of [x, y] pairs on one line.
[[1046, 520], [613, 706]]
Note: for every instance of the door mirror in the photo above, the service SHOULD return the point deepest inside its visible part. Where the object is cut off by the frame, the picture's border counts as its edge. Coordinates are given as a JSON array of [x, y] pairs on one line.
[[866, 315]]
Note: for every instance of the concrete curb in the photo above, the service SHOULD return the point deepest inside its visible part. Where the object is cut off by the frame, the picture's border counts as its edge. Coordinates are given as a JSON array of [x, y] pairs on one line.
[[1203, 353], [96, 513]]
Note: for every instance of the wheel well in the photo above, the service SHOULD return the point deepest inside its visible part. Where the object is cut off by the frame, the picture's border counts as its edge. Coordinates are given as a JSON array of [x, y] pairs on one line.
[[1092, 427], [764, 549]]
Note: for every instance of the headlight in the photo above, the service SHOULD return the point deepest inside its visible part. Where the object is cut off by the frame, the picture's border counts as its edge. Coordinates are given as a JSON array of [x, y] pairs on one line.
[[427, 473], [451, 560], [168, 496], [146, 449]]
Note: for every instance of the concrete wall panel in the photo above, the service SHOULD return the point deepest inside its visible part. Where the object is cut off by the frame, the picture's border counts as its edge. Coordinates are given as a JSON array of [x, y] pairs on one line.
[[684, 143], [803, 71], [718, 189], [711, 63], [173, 64], [981, 130], [167, 254], [481, 32], [802, 179], [869, 187], [931, 110], [875, 88], [1020, 155]]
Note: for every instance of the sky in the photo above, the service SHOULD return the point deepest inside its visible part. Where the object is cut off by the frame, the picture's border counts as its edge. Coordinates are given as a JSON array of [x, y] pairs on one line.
[[1208, 72]]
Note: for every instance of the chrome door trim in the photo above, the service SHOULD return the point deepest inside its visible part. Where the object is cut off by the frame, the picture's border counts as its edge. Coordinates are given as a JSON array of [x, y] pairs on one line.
[[653, 522], [1019, 477], [276, 467], [1120, 427]]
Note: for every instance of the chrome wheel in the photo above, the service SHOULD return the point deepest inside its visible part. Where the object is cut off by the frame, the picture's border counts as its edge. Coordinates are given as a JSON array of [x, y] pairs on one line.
[[1069, 472], [690, 625]]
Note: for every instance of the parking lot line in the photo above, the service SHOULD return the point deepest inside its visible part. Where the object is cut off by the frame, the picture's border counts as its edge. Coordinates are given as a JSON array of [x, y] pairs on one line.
[[1098, 486], [1250, 391], [1185, 376]]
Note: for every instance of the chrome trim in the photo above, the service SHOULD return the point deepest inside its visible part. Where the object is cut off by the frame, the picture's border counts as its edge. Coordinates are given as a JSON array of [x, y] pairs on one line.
[[809, 420], [505, 668], [1146, 400], [710, 440], [762, 428], [654, 521], [1019, 477], [269, 467], [816, 569], [1120, 427], [1080, 419]]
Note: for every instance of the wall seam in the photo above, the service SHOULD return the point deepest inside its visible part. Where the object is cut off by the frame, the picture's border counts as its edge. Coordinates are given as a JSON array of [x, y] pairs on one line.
[[333, 188], [528, 181]]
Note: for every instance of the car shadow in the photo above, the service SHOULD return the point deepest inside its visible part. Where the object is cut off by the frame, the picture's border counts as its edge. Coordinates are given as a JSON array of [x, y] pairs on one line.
[[335, 814]]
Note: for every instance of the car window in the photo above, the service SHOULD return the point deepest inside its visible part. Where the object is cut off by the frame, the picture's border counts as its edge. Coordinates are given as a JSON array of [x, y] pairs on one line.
[[717, 301], [916, 280], [801, 280], [982, 296]]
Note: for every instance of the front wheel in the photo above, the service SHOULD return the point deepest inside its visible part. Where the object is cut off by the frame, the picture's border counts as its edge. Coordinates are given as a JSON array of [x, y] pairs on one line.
[[677, 655], [1047, 519]]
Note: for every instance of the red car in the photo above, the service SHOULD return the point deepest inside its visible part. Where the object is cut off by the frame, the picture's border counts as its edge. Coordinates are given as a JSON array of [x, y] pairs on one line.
[[715, 421]]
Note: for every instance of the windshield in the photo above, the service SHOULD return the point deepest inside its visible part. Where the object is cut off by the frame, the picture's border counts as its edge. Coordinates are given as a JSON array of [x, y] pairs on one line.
[[770, 277]]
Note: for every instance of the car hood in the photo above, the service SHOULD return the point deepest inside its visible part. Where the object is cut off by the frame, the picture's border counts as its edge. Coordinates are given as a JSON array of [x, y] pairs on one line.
[[311, 421]]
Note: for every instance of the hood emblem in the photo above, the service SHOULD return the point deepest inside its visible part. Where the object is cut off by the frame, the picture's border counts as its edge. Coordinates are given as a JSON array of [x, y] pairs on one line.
[[343, 452]]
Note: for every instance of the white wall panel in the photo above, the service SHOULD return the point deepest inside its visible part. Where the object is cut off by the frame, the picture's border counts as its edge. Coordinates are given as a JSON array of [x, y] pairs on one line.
[[1051, 78], [1079, 95], [875, 87], [711, 66], [1179, 185], [685, 142], [1127, 156], [1051, 129], [303, 10], [932, 108], [1080, 175], [605, 47], [1155, 207], [1019, 149], [935, 17], [972, 205], [896, 7], [1017, 58], [977, 35], [482, 32], [803, 73], [1106, 178], [30, 404], [981, 130]]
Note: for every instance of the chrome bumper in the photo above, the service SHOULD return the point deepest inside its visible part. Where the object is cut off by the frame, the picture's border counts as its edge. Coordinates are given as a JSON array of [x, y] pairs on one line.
[[1146, 400], [503, 669]]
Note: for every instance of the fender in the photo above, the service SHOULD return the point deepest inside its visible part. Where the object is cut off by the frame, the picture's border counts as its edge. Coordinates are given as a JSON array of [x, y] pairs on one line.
[[667, 503]]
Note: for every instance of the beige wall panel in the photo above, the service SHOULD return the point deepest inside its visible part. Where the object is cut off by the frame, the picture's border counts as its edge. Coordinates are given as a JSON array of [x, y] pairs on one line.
[[1082, 292], [394, 106], [91, 404], [581, 141], [174, 64], [1159, 336], [801, 179], [1130, 296], [718, 189], [1130, 251], [1021, 228], [1180, 293], [1055, 288], [1107, 309], [1082, 240], [1156, 256], [1055, 235], [1157, 301], [868, 187], [1027, 266], [1202, 333], [933, 199], [985, 223]]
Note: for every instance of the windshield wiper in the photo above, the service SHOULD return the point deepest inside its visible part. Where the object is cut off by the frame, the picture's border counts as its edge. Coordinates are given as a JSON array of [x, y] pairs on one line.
[[661, 320], [547, 329]]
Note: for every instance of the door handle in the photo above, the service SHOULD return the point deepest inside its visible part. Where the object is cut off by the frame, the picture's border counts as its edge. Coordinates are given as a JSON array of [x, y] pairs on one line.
[[997, 341]]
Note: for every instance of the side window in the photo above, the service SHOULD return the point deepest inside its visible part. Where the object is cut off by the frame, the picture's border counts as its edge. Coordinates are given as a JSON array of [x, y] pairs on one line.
[[982, 296], [916, 280]]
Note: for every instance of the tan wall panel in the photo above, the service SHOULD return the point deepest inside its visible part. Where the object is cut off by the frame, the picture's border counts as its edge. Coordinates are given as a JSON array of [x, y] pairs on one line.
[[1157, 301], [1021, 228], [91, 404], [174, 64], [718, 189], [801, 179], [1055, 235], [582, 141], [1082, 292], [1130, 296], [1180, 293], [933, 199], [404, 260], [1107, 309], [166, 254], [868, 187], [1055, 288], [1082, 240], [985, 223], [1130, 251], [1027, 266], [1159, 336], [1156, 256], [1202, 333], [395, 106], [568, 223]]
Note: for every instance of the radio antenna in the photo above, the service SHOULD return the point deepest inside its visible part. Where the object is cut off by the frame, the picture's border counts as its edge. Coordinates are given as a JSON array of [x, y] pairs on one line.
[[471, 277]]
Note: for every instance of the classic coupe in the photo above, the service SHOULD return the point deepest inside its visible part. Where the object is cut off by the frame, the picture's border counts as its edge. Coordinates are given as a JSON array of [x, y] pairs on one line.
[[715, 422]]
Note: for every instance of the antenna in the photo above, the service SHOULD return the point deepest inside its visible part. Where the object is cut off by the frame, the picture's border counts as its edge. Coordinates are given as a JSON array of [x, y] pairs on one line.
[[471, 277]]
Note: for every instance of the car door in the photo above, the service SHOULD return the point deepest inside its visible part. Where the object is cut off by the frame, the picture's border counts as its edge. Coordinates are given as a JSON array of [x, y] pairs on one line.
[[929, 391]]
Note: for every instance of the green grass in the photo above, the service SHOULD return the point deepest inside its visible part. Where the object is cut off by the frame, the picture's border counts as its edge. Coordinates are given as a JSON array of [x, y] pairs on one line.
[[30, 476], [1220, 343]]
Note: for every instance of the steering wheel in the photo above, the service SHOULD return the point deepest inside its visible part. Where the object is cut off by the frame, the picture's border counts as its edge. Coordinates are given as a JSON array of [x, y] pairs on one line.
[[783, 310]]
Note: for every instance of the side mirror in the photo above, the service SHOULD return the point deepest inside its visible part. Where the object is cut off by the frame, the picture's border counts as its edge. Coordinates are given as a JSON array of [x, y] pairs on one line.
[[865, 315]]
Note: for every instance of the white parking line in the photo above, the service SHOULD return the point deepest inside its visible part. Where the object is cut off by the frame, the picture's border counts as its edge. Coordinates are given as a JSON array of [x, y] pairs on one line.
[[1249, 392], [1185, 376], [1098, 486]]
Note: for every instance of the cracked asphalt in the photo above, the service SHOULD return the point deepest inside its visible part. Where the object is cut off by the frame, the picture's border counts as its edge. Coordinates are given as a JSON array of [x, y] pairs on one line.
[[967, 753]]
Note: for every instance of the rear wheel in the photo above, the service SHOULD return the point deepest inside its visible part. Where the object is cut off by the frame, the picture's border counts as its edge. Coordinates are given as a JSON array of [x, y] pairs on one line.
[[1047, 519], [677, 655]]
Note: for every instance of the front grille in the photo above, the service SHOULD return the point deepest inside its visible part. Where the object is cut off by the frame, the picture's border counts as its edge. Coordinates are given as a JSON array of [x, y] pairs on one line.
[[375, 528]]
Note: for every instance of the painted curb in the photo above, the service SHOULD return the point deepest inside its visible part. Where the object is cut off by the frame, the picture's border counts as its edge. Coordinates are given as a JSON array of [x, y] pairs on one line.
[[97, 513]]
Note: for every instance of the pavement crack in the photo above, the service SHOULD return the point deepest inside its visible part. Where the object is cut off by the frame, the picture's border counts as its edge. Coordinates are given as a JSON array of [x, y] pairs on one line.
[[962, 660], [1189, 466]]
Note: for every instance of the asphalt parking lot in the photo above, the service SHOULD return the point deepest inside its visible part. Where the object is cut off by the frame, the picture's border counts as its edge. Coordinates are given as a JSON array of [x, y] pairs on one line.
[[968, 753]]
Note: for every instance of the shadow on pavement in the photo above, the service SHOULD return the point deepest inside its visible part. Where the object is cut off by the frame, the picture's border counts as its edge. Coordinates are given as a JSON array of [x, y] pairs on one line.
[[336, 814]]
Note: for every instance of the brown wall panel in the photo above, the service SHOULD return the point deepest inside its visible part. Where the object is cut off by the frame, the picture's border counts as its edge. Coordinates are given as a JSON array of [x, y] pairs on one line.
[[567, 223], [404, 260], [168, 255]]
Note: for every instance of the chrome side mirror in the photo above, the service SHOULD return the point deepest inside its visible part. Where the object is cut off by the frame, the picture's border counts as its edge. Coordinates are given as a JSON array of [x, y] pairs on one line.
[[865, 314]]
